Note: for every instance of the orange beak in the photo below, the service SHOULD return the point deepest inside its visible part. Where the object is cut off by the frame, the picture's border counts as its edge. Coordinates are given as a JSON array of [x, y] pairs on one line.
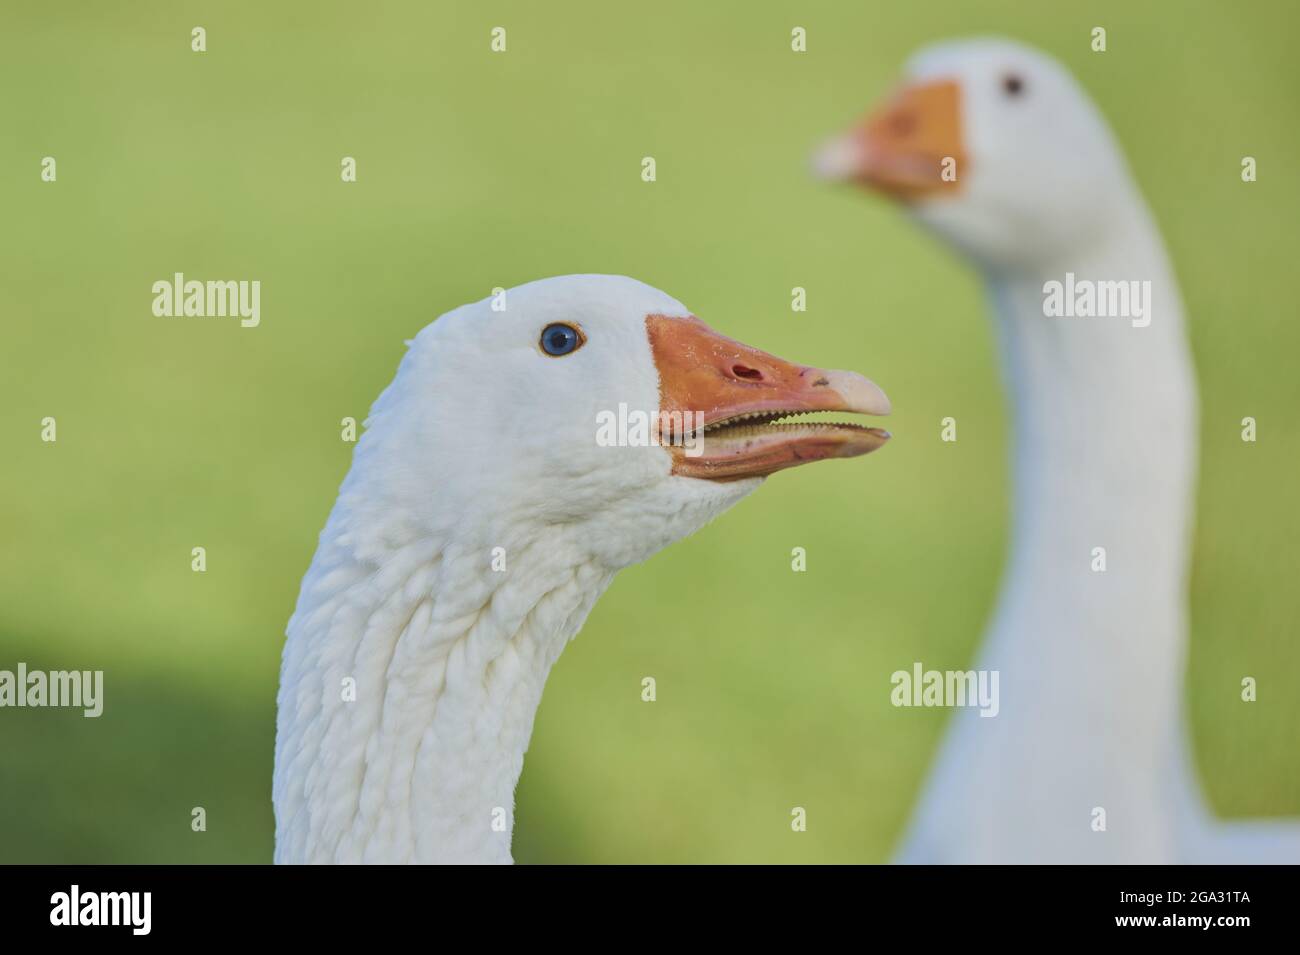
[[909, 149], [738, 395]]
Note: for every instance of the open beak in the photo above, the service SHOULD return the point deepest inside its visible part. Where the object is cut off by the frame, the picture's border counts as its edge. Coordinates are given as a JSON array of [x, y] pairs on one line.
[[739, 395], [909, 149]]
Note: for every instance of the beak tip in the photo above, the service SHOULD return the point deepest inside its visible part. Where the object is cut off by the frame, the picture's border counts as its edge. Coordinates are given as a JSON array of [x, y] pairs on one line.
[[837, 160], [859, 393]]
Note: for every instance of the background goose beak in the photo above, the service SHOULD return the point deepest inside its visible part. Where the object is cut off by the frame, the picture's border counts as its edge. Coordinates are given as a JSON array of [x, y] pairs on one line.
[[909, 148]]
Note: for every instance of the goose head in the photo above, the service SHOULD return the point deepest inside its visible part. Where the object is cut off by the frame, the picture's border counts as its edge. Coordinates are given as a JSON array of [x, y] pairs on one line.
[[484, 514], [995, 147], [541, 408]]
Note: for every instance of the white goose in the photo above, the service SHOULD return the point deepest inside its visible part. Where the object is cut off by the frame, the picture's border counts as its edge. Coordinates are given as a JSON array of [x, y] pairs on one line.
[[480, 521], [1105, 427]]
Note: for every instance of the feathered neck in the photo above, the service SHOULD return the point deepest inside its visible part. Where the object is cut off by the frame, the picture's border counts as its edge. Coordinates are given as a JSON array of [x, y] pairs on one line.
[[1090, 660], [1104, 458], [1091, 624], [414, 666], [1093, 608]]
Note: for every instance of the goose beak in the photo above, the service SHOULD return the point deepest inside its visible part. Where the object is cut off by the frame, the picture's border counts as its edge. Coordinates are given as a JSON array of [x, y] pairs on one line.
[[732, 399], [909, 149]]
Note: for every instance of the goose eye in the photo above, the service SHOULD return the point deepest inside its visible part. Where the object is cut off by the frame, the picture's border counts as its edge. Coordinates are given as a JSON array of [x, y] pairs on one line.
[[1012, 84], [560, 339]]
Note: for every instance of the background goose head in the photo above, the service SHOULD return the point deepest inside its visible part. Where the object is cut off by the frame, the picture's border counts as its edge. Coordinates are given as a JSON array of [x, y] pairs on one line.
[[490, 428], [1039, 176]]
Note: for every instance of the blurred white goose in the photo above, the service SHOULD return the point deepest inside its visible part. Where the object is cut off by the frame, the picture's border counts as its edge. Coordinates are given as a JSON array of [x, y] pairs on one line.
[[481, 519], [1104, 413]]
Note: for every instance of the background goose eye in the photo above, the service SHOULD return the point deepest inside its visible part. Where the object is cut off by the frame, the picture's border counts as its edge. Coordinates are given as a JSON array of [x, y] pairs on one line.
[[560, 339], [1012, 84]]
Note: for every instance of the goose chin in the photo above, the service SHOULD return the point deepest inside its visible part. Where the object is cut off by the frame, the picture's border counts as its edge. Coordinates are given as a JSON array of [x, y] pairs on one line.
[[736, 453]]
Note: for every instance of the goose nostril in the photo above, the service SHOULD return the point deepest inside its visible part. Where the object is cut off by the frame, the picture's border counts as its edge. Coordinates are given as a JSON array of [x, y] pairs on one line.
[[902, 124], [744, 371]]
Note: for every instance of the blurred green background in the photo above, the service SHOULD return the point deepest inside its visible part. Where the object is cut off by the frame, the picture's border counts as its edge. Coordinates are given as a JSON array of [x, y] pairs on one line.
[[476, 170]]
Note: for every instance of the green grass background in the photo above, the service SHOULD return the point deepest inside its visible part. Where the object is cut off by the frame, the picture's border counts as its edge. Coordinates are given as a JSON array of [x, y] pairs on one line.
[[478, 170]]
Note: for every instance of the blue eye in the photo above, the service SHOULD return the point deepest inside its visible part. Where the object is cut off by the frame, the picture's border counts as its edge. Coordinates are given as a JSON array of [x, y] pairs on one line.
[[561, 339]]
